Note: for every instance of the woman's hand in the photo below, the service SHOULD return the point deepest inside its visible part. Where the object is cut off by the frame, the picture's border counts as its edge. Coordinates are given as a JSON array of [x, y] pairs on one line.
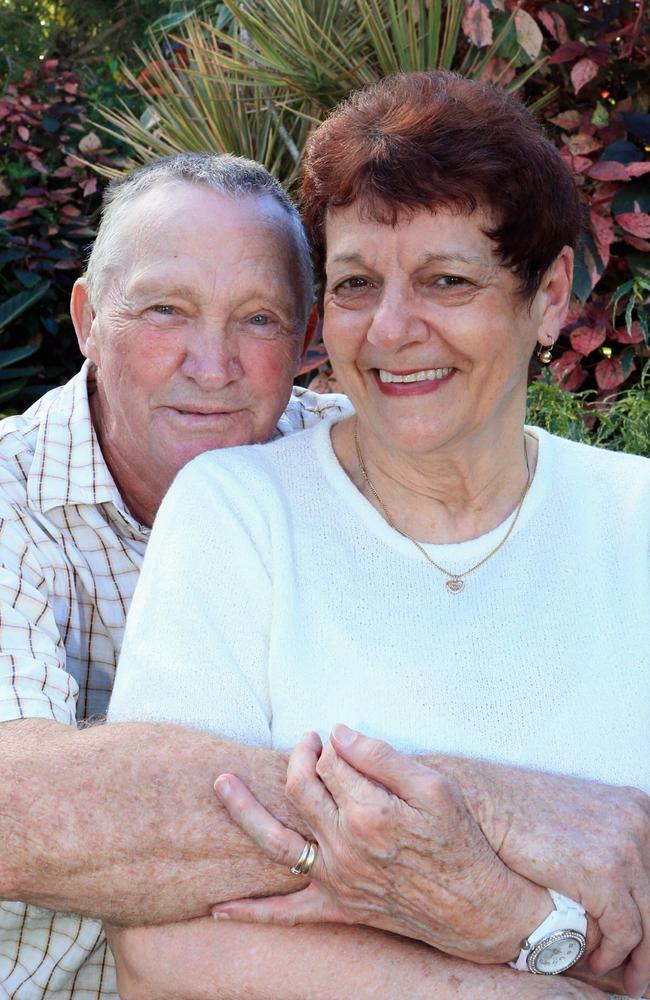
[[398, 850]]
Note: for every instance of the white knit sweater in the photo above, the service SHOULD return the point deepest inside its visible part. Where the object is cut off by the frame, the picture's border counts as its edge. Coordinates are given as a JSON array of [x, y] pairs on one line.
[[274, 599]]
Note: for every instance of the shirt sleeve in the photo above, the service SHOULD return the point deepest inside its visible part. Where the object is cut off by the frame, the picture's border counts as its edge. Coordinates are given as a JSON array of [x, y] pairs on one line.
[[196, 646], [34, 682]]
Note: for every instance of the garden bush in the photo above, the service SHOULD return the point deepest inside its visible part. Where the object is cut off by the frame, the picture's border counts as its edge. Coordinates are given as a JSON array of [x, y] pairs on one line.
[[259, 82], [254, 78], [49, 198]]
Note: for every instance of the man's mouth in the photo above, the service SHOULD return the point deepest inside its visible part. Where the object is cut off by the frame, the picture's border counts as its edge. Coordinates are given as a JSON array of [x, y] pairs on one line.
[[424, 375]]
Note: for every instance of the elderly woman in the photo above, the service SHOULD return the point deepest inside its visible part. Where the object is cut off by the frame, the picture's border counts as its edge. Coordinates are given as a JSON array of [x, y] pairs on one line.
[[429, 570]]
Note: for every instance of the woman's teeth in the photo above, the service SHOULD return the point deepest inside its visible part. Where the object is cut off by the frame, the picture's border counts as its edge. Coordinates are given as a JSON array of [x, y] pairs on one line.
[[428, 375]]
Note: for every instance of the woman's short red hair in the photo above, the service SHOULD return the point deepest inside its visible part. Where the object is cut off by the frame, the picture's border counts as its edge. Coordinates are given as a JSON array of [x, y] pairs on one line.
[[434, 139]]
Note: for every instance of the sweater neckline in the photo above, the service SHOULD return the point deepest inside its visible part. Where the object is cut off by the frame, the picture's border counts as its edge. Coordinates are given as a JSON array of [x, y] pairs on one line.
[[452, 555]]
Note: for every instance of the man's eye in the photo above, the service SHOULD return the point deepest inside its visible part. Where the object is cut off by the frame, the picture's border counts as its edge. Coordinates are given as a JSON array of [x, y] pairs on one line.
[[450, 281], [163, 310], [260, 319]]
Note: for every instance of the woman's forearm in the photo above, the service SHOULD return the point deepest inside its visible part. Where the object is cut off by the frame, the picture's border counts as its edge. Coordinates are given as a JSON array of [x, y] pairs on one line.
[[206, 960]]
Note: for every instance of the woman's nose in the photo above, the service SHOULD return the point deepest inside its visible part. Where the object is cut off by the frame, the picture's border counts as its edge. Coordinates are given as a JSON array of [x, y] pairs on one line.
[[396, 321]]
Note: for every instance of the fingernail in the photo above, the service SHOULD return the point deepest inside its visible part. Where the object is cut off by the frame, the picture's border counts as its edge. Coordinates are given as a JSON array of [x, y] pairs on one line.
[[343, 735], [222, 788], [219, 915]]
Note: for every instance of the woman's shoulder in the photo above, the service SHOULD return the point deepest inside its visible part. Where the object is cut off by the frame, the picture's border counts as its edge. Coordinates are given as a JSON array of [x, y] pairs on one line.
[[607, 472], [258, 467]]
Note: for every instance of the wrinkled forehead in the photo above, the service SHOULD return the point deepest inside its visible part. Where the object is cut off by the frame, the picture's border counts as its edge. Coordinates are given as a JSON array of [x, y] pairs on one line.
[[182, 225]]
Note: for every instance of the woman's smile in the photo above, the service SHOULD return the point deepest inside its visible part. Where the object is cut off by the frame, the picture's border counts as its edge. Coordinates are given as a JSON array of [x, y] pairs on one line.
[[412, 383]]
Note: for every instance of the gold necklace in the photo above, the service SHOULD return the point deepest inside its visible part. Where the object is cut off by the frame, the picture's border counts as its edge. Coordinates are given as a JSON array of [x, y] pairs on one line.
[[455, 583]]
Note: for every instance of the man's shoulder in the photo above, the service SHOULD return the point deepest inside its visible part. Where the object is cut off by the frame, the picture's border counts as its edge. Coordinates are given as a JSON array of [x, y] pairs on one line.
[[306, 408], [22, 435]]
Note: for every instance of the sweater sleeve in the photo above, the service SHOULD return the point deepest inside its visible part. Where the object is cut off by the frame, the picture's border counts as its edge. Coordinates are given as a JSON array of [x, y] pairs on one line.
[[195, 650]]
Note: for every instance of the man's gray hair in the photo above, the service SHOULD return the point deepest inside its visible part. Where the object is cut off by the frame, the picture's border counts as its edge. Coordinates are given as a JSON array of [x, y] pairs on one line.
[[233, 176]]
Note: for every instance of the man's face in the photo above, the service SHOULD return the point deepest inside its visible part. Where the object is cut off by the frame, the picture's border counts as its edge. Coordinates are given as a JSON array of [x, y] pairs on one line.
[[196, 333]]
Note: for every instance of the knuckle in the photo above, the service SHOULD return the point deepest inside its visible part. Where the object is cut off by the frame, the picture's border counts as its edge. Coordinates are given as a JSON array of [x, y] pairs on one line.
[[379, 751], [273, 845], [295, 785]]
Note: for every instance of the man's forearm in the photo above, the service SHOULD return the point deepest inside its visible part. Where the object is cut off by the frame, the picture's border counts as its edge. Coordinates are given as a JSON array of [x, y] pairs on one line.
[[121, 822], [203, 960]]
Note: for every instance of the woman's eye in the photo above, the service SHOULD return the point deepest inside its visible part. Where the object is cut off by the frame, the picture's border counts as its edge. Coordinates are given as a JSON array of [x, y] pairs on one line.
[[260, 319], [163, 310], [350, 284]]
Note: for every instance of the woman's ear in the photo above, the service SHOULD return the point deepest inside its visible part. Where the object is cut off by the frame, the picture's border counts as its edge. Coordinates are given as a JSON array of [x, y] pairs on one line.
[[554, 295]]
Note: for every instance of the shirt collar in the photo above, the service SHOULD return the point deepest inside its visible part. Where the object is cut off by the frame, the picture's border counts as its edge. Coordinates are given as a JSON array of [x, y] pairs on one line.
[[68, 465]]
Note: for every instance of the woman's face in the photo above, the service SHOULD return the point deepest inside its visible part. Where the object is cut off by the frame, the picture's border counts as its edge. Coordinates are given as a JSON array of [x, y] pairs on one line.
[[425, 328]]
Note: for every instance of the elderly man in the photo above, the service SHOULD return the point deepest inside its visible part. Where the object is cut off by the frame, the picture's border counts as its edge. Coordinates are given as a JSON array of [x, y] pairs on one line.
[[192, 318]]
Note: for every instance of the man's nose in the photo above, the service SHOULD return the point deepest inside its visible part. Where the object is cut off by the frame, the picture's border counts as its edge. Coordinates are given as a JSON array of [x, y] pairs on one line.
[[397, 321], [212, 358]]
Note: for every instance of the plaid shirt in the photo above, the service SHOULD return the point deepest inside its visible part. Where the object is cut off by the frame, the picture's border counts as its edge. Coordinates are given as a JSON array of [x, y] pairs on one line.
[[70, 557]]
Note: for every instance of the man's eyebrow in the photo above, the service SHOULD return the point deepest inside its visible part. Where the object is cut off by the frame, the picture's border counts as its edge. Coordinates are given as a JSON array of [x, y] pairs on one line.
[[143, 289]]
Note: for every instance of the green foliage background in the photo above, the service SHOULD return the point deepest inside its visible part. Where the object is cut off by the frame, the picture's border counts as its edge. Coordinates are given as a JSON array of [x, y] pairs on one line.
[[136, 78]]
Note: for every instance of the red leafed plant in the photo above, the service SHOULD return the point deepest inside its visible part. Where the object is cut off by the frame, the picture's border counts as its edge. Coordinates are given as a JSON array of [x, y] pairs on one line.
[[600, 57], [48, 201]]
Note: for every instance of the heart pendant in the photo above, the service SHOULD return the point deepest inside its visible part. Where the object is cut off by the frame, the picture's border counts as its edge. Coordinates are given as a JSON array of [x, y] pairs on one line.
[[455, 585]]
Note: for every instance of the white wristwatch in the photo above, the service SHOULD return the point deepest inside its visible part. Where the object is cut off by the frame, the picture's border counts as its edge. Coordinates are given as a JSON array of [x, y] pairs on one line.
[[558, 942]]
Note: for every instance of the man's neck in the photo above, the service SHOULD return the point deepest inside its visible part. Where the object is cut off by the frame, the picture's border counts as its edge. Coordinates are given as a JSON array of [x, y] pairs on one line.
[[141, 497]]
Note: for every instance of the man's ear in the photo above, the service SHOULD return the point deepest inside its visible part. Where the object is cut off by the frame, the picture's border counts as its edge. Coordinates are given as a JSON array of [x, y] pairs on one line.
[[83, 316], [554, 295]]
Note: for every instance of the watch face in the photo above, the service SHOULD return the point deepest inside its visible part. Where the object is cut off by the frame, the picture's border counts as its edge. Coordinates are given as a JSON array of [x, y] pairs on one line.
[[556, 953]]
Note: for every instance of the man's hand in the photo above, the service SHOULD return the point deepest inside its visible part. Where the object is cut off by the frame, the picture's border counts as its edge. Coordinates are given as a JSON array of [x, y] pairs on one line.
[[398, 852], [587, 840]]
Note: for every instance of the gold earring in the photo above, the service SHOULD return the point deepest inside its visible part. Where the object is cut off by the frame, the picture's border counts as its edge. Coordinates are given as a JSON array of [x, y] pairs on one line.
[[545, 354]]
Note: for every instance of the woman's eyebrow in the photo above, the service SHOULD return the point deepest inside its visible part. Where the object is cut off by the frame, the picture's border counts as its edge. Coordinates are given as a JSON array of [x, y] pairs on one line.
[[451, 258], [346, 258]]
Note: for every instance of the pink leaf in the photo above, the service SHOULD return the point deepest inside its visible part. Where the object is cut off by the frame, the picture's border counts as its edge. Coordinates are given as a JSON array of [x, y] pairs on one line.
[[90, 186], [567, 120], [554, 25], [477, 24], [609, 374], [528, 34], [635, 336], [15, 214], [637, 223], [608, 170], [568, 52], [636, 169], [23, 132], [567, 371], [585, 339], [582, 73], [603, 230], [638, 244], [582, 144]]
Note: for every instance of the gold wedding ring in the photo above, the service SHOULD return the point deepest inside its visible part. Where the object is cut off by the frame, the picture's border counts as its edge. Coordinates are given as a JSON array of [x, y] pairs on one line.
[[305, 862]]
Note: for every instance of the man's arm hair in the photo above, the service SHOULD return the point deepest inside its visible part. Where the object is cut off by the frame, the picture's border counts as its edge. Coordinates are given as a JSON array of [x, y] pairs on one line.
[[121, 822]]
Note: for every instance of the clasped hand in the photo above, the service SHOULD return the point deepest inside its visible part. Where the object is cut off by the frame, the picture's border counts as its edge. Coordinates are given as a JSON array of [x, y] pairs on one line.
[[398, 850], [403, 849]]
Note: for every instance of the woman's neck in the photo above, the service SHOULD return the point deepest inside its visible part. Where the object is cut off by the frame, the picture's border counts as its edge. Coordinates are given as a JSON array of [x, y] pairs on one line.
[[455, 493]]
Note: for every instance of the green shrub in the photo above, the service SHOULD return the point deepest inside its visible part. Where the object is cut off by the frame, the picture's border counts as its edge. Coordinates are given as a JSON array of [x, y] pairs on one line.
[[620, 422]]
